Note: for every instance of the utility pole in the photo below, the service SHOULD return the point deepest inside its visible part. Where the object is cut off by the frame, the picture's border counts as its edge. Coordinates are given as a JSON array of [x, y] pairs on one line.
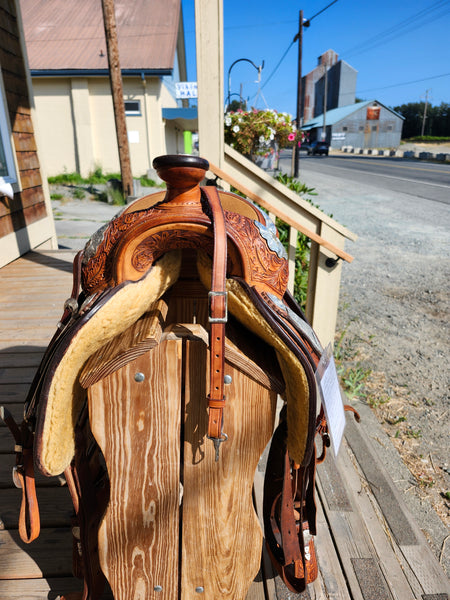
[[325, 93], [299, 37], [424, 113], [115, 77]]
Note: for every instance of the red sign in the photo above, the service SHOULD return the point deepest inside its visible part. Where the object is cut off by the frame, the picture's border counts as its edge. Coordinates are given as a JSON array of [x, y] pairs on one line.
[[373, 113]]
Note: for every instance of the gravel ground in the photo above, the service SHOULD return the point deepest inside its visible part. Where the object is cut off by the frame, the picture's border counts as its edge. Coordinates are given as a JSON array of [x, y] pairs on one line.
[[394, 322]]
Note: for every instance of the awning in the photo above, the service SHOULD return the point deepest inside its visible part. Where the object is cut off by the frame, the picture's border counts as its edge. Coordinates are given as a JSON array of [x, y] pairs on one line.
[[185, 118]]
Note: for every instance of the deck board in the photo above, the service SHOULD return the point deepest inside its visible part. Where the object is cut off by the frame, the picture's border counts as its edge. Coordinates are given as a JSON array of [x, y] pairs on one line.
[[361, 553]]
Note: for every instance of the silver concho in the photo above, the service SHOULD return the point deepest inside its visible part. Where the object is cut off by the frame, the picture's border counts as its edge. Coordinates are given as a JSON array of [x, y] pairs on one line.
[[272, 241], [302, 326]]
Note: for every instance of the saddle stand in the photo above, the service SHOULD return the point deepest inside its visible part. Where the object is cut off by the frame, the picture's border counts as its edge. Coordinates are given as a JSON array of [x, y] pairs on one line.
[[157, 396]]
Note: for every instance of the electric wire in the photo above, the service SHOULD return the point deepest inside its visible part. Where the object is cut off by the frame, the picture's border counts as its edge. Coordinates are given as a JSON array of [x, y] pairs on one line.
[[400, 28], [404, 83]]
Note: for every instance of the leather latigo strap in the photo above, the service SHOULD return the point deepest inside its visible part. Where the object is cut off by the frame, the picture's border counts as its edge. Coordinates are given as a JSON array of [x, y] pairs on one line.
[[23, 477], [217, 319]]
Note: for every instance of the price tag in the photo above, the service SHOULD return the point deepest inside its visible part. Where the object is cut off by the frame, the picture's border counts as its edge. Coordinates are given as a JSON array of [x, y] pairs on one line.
[[330, 392]]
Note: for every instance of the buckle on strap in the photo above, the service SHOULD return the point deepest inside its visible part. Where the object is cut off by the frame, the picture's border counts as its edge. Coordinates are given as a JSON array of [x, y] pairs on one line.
[[223, 319], [217, 442]]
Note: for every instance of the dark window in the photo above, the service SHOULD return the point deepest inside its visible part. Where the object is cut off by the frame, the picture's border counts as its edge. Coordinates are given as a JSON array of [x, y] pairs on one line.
[[345, 128], [133, 107]]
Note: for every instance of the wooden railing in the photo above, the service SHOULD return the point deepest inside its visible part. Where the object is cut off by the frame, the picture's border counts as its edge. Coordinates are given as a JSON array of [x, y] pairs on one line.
[[326, 235]]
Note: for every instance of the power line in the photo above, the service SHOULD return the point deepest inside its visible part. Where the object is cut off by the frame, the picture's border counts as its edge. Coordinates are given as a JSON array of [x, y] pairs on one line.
[[400, 28], [278, 64], [404, 83]]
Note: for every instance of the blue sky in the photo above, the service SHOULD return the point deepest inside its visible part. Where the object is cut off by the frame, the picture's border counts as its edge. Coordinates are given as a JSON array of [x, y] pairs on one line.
[[390, 44]]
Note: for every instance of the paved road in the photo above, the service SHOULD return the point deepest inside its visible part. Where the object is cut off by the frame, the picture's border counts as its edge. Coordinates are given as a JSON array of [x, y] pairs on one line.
[[421, 179]]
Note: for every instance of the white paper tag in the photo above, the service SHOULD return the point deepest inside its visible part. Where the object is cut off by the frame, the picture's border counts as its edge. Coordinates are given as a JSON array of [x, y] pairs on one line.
[[328, 383]]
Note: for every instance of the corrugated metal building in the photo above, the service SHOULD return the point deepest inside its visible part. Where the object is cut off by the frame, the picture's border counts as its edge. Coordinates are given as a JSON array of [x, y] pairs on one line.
[[367, 124]]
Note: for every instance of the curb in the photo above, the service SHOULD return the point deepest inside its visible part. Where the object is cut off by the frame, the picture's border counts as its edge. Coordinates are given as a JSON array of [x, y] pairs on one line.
[[441, 156]]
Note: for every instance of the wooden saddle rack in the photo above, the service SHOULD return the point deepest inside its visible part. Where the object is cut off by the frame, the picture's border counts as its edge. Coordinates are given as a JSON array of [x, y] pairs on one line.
[[157, 396]]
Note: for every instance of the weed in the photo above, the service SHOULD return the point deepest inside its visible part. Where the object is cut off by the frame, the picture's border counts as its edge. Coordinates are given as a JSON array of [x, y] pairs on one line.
[[79, 194], [377, 401], [353, 380], [56, 196], [411, 433]]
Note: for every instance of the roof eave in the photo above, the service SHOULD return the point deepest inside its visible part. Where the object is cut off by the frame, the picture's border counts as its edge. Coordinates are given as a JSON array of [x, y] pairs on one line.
[[99, 72]]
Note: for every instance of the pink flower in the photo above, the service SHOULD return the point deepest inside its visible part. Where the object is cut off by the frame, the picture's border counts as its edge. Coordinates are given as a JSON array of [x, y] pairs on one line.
[[299, 144], [291, 137]]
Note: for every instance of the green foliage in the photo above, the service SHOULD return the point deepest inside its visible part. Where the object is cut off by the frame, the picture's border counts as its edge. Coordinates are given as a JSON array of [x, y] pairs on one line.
[[67, 179], [79, 194], [257, 131], [146, 182], [301, 261], [353, 380], [295, 185], [236, 105], [429, 138], [56, 196], [437, 122]]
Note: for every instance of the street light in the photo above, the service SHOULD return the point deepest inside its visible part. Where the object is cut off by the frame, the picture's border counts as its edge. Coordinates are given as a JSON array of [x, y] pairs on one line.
[[259, 69]]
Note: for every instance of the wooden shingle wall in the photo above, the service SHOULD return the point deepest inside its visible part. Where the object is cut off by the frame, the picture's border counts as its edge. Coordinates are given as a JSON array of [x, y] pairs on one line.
[[19, 217]]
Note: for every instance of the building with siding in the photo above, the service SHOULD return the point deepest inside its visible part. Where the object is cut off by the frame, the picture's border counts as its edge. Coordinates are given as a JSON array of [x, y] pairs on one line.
[[26, 220], [361, 125], [336, 76], [69, 68]]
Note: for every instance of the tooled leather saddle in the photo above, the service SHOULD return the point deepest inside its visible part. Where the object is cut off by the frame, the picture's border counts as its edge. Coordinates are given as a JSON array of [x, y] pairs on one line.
[[124, 269]]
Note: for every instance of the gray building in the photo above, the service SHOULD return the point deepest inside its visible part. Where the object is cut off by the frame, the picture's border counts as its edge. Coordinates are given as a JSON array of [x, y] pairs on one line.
[[332, 74], [361, 125]]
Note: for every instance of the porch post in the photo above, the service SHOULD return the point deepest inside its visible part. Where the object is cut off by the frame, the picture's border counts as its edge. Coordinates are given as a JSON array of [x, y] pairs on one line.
[[209, 43]]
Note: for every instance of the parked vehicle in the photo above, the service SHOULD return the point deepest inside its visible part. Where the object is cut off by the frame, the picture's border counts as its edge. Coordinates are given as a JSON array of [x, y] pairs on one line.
[[316, 147]]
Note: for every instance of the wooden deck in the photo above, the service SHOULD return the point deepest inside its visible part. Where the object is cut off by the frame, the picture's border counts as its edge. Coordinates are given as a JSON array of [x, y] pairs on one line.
[[369, 547]]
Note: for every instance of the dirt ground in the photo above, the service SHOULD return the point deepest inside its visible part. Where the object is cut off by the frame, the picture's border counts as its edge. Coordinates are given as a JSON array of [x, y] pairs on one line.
[[393, 325]]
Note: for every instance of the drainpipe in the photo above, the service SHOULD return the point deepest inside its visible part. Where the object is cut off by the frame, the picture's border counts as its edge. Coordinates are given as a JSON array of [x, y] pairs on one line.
[[147, 135]]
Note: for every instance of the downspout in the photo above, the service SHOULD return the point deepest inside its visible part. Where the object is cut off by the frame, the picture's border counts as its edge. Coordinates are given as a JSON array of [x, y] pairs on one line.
[[147, 134]]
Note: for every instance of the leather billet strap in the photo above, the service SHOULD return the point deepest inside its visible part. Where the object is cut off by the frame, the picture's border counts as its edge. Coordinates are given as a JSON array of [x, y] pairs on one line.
[[23, 477], [218, 315]]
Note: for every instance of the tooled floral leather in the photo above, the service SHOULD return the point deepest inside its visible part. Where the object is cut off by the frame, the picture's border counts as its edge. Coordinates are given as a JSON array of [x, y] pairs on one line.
[[261, 266]]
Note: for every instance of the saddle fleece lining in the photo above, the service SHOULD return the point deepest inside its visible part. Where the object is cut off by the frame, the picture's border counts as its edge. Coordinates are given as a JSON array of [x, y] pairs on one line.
[[55, 432]]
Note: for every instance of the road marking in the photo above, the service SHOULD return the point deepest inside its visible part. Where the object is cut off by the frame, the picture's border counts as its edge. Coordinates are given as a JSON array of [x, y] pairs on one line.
[[404, 167], [390, 177]]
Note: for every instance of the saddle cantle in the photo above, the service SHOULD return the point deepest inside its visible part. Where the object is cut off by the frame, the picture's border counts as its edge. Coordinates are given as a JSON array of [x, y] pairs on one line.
[[126, 268]]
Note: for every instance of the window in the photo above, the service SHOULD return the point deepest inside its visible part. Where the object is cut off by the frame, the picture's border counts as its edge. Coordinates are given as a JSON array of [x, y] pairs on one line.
[[345, 128], [7, 165], [133, 108]]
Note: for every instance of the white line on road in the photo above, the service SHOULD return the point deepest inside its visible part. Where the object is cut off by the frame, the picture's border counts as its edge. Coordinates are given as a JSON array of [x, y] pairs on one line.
[[390, 176]]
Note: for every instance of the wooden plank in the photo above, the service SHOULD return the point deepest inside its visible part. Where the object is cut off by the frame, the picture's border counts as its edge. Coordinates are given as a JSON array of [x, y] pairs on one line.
[[55, 507], [48, 556], [417, 561], [137, 426], [7, 462], [351, 538], [386, 549], [221, 492], [13, 392], [19, 360], [16, 375], [38, 589]]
